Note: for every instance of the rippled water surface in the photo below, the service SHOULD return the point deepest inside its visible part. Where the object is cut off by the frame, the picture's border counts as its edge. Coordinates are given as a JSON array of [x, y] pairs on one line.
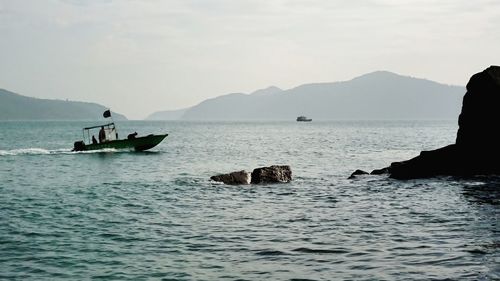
[[119, 215]]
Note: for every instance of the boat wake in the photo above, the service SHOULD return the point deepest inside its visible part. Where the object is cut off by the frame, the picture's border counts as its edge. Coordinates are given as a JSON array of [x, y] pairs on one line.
[[42, 151], [24, 151]]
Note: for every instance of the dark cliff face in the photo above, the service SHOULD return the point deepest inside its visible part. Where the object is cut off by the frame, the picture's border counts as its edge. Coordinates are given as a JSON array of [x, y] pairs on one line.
[[477, 149], [480, 116]]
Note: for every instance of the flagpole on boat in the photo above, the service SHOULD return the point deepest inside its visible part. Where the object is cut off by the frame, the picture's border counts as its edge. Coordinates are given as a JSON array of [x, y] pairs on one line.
[[106, 114], [114, 126]]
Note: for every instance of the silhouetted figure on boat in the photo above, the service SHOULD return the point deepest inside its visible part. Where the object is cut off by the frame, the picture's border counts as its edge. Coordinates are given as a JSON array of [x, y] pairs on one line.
[[132, 136], [102, 135], [94, 141]]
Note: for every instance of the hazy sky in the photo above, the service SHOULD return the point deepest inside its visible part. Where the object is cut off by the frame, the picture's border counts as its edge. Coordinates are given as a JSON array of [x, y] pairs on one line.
[[143, 56]]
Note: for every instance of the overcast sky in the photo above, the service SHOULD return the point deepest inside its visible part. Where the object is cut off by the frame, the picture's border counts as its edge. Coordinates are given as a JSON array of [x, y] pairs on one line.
[[141, 56]]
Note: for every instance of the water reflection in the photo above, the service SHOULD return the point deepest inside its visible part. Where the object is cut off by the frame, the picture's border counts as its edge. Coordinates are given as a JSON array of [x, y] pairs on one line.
[[484, 193], [483, 190]]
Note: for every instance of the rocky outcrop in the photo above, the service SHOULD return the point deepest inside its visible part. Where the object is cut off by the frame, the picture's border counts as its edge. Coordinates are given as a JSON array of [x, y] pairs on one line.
[[272, 174], [358, 173], [477, 150], [234, 178], [480, 116]]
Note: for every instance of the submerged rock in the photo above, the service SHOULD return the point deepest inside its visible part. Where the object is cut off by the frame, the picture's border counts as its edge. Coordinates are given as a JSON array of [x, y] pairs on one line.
[[234, 178], [272, 174], [476, 151], [357, 173]]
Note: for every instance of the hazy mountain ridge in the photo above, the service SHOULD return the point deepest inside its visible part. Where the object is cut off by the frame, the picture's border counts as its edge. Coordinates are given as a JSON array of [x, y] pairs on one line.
[[379, 95], [224, 100], [175, 114], [18, 107], [267, 91]]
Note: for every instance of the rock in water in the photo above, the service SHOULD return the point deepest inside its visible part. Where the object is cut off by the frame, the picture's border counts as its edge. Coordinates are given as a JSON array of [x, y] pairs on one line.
[[272, 174], [476, 151], [234, 178], [442, 161], [357, 173], [379, 171]]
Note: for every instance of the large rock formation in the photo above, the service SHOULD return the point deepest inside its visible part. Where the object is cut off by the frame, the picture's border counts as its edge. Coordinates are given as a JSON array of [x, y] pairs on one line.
[[480, 116], [272, 174], [477, 147], [234, 178]]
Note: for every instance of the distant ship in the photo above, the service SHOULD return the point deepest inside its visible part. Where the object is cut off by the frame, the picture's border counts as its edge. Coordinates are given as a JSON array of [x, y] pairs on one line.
[[303, 119]]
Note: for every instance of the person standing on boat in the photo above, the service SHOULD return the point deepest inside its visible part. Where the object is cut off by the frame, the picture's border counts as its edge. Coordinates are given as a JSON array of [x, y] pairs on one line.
[[102, 135]]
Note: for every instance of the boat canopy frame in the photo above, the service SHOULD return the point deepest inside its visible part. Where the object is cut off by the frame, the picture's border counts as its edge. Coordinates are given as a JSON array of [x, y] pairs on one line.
[[108, 126], [98, 126]]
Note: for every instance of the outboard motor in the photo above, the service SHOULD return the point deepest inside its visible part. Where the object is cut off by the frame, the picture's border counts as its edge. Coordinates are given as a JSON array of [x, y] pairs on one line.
[[79, 146]]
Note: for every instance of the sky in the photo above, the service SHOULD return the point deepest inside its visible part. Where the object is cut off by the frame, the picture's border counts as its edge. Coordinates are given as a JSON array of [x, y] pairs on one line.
[[142, 56]]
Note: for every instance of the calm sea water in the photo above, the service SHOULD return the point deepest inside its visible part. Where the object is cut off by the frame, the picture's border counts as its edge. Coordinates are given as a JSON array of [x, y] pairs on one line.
[[119, 215]]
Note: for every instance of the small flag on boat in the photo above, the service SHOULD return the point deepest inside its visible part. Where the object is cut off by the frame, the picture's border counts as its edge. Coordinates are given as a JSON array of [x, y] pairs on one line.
[[106, 114]]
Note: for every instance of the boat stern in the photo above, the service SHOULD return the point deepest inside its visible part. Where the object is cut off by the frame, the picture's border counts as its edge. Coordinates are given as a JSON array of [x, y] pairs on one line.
[[79, 146]]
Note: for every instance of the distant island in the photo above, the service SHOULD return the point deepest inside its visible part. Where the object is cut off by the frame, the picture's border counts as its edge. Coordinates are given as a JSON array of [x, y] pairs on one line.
[[17, 107], [379, 95]]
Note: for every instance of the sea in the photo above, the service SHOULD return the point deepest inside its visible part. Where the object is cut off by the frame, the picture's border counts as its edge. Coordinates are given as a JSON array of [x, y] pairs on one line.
[[155, 215]]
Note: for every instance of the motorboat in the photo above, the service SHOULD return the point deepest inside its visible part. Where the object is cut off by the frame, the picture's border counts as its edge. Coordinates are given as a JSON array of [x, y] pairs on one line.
[[108, 138]]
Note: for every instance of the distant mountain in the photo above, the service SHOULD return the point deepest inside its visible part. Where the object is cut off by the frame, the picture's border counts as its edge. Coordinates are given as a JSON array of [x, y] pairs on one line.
[[267, 91], [17, 107], [167, 114], [178, 114], [379, 95]]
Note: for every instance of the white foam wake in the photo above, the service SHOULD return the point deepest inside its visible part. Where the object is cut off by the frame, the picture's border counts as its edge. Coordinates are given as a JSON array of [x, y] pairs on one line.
[[42, 151], [24, 151], [97, 151]]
